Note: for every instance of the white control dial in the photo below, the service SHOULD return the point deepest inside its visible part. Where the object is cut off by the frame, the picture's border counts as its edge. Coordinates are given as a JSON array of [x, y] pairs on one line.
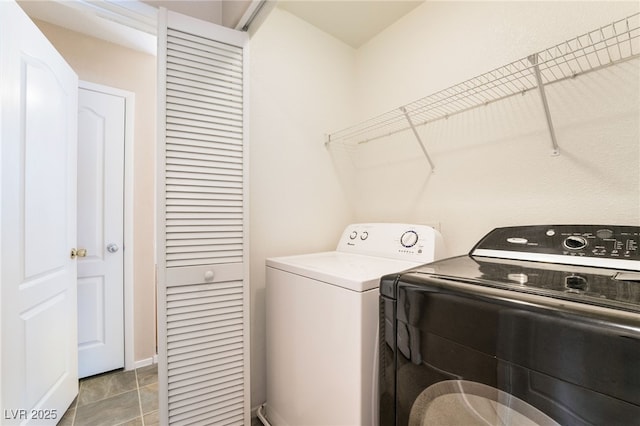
[[364, 235], [409, 239], [353, 235]]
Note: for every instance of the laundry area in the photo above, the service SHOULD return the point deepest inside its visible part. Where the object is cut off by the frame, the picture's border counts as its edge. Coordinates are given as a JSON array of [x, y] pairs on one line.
[[486, 158], [373, 213], [492, 166]]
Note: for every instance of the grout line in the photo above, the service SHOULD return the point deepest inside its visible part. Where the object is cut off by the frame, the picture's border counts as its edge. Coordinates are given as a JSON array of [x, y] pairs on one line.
[[139, 397]]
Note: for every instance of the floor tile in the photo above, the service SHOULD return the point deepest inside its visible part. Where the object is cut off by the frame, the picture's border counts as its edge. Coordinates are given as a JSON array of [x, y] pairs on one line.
[[67, 419], [110, 411], [149, 398], [152, 419], [119, 398], [105, 386], [147, 375], [135, 422]]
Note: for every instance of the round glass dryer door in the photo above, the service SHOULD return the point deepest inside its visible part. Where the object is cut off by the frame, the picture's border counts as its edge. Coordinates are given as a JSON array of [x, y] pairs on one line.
[[460, 402]]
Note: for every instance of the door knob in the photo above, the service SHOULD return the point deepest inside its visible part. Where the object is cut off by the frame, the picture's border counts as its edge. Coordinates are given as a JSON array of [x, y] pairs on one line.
[[78, 253], [112, 248]]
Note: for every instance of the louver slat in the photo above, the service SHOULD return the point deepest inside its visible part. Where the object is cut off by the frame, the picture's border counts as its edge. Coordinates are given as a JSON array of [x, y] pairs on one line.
[[212, 71], [179, 103], [203, 254]]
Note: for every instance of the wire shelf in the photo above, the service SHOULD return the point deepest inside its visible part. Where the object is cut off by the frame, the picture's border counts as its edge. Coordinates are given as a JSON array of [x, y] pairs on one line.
[[602, 47]]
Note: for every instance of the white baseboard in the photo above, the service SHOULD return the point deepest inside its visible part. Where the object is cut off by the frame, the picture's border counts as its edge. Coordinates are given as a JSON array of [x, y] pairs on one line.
[[147, 361]]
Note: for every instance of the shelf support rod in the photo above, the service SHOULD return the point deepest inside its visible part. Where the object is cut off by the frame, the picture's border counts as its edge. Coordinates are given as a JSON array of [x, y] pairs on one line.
[[415, 132], [543, 95]]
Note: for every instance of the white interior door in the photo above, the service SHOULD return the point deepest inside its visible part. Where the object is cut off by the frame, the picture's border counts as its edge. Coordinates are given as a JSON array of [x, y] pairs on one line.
[[101, 136], [38, 213]]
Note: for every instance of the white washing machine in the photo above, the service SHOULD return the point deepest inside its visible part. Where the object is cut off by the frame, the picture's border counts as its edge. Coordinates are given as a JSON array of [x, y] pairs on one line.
[[322, 321]]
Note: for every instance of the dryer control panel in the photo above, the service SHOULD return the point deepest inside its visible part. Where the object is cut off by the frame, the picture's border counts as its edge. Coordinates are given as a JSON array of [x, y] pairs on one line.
[[410, 242], [607, 246]]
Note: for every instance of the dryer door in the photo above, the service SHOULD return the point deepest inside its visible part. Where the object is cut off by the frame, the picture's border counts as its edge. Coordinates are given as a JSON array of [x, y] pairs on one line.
[[457, 349], [460, 402]]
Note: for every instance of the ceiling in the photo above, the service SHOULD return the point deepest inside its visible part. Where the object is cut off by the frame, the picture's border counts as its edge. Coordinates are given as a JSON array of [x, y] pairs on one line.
[[131, 23], [353, 22]]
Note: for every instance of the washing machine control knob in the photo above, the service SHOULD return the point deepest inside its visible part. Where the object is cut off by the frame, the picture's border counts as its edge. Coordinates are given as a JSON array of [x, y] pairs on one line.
[[353, 235], [575, 242], [409, 239]]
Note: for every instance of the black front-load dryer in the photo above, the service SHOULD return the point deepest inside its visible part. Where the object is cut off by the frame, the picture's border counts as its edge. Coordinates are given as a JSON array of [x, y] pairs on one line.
[[538, 325]]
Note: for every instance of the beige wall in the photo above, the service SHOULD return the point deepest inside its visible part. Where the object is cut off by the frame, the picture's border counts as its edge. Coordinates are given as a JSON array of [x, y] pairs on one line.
[[233, 11], [100, 62]]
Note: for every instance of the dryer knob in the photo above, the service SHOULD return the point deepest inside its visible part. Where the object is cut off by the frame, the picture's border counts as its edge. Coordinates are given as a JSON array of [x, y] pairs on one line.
[[409, 239]]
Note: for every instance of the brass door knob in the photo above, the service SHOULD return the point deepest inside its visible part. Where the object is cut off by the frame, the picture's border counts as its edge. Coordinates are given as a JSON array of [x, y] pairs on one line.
[[78, 253]]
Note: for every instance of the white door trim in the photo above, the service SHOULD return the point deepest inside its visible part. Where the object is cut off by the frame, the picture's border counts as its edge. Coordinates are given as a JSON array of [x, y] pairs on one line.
[[129, 360]]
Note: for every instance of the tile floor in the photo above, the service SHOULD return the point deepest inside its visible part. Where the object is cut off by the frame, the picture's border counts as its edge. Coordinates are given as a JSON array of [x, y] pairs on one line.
[[120, 398]]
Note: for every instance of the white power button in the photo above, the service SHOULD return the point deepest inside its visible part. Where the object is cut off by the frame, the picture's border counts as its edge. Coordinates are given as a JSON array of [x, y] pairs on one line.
[[409, 239]]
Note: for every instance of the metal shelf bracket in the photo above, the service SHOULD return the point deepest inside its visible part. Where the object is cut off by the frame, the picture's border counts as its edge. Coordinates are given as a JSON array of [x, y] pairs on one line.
[[415, 133], [543, 96]]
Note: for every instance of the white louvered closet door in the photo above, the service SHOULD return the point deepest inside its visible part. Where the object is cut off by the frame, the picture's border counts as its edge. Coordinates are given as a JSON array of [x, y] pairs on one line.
[[203, 294]]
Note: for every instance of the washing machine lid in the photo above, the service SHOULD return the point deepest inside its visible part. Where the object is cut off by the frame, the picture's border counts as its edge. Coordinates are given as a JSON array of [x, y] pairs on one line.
[[351, 271]]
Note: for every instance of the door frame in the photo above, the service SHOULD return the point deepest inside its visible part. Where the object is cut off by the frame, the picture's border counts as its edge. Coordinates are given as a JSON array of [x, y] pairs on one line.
[[129, 102]]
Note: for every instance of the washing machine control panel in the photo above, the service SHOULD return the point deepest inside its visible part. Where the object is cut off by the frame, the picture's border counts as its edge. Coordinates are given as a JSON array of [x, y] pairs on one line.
[[607, 246], [410, 242]]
